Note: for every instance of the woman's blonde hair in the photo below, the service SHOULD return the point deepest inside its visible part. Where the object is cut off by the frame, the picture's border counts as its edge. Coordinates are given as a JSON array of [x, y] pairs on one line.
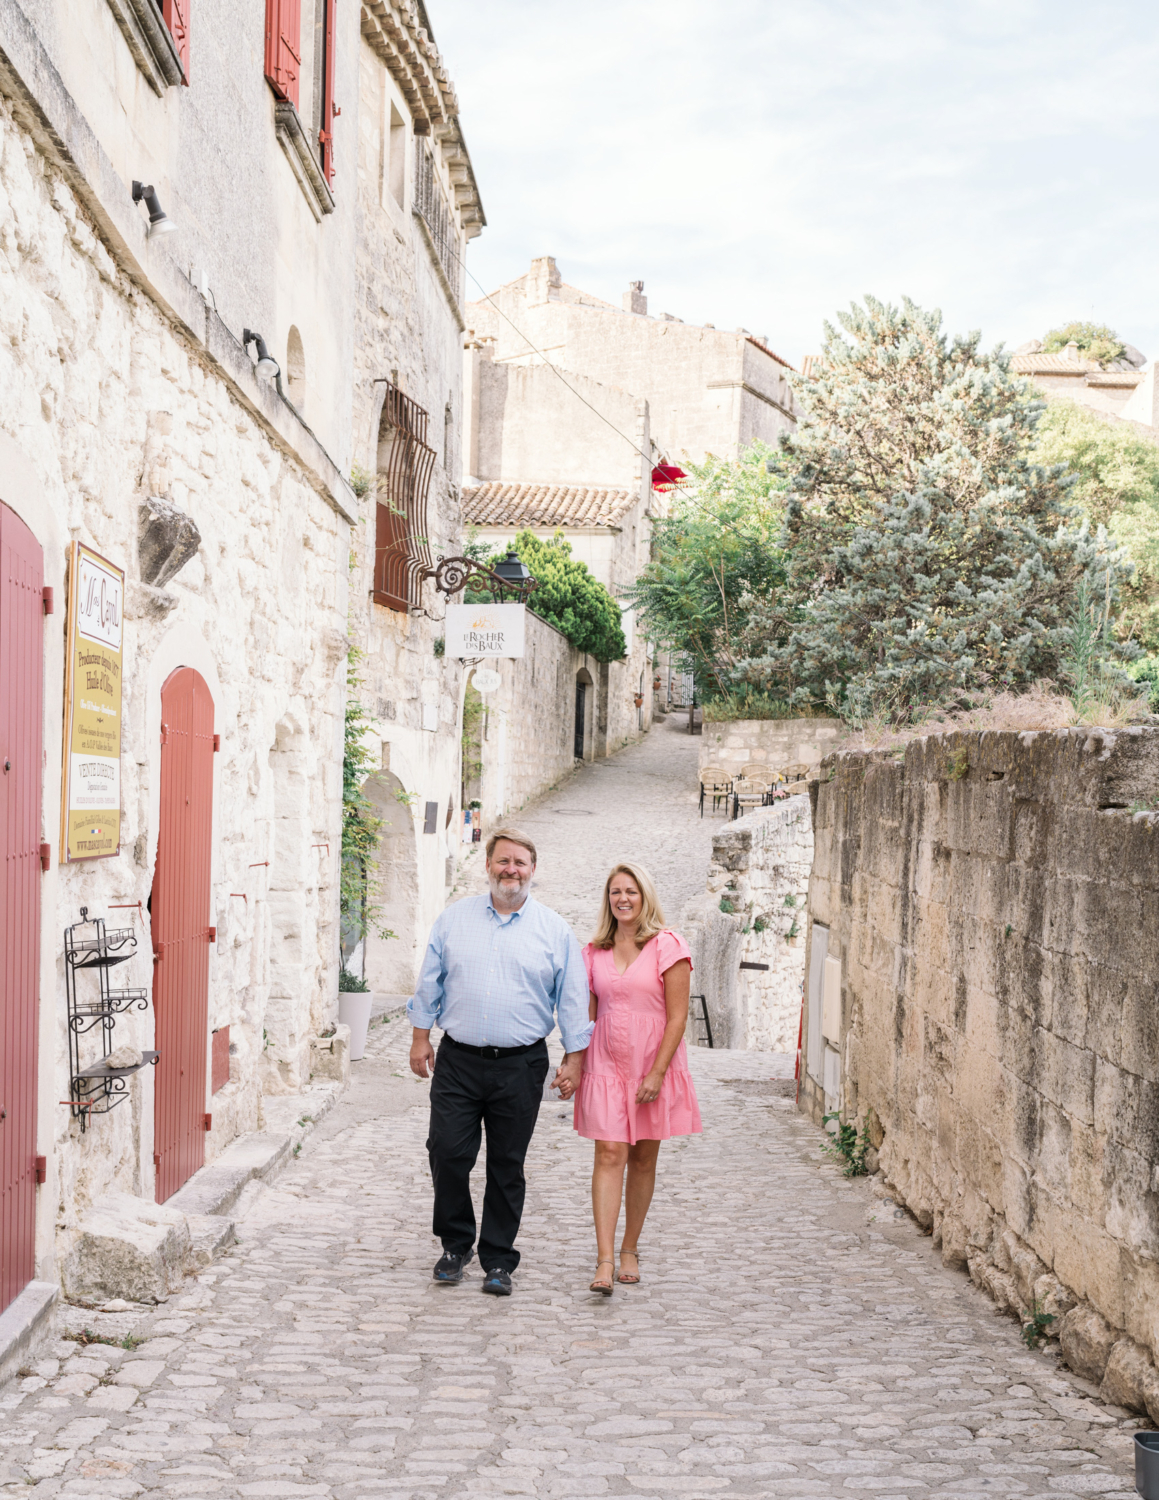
[[651, 919]]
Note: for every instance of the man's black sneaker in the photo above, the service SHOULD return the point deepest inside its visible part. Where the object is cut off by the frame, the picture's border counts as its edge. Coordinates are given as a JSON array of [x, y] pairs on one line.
[[450, 1266], [498, 1283]]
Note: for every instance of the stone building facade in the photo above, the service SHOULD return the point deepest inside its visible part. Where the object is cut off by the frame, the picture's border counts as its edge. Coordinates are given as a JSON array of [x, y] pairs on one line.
[[135, 420]]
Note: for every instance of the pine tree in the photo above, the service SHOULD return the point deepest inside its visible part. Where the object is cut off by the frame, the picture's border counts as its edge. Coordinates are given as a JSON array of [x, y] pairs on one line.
[[927, 555]]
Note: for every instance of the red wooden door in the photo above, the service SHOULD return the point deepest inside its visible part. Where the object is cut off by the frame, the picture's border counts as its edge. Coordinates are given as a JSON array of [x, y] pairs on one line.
[[21, 668], [180, 917]]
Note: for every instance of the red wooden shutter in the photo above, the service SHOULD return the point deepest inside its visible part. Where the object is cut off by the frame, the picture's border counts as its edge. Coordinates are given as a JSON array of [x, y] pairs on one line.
[[284, 48], [175, 14], [326, 133], [21, 719], [181, 899]]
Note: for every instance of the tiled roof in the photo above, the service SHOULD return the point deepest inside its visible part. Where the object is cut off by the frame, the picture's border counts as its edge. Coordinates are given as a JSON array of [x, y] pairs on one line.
[[498, 503], [1130, 378], [1051, 364]]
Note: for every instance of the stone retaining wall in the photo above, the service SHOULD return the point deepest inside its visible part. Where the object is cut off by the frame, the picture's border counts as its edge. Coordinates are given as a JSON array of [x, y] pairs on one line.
[[992, 901], [776, 742], [760, 868]]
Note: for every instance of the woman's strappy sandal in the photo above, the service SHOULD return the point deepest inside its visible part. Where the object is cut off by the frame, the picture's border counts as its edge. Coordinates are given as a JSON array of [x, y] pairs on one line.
[[604, 1288], [628, 1280]]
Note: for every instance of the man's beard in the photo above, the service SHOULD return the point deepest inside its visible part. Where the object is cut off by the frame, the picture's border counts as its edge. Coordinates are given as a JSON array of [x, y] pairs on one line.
[[510, 890]]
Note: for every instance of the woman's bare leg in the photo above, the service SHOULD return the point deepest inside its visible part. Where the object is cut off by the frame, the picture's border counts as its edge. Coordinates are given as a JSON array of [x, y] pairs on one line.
[[638, 1196], [607, 1192]]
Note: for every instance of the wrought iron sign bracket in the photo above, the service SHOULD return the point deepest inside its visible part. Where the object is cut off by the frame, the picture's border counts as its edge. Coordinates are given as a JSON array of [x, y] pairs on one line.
[[454, 573]]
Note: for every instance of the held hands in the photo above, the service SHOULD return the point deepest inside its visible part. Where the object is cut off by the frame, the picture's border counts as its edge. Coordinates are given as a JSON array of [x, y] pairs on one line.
[[567, 1076], [649, 1089]]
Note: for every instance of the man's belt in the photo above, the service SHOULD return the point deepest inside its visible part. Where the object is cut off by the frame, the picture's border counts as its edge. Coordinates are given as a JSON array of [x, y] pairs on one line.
[[492, 1053]]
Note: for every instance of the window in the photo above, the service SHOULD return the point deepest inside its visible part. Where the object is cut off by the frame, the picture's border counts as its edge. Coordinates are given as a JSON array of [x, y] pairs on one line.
[[438, 220], [402, 553], [396, 159], [305, 150], [157, 33], [325, 109]]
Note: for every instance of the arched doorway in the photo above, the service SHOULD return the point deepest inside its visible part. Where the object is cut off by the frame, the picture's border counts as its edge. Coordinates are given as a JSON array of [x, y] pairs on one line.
[[389, 963], [179, 908], [21, 722]]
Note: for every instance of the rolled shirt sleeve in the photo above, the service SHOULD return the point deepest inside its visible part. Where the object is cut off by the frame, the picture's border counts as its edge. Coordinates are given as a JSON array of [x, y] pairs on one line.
[[572, 995], [425, 1006]]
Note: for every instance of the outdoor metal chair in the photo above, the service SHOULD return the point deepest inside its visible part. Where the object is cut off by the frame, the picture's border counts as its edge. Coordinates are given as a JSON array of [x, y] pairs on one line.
[[747, 794], [715, 782]]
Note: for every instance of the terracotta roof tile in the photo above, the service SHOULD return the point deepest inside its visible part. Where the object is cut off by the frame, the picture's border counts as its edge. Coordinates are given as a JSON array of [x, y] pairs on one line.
[[1129, 378], [499, 503], [1051, 364]]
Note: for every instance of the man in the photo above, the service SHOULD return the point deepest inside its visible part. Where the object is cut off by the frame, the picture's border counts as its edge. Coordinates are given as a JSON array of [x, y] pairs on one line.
[[499, 971]]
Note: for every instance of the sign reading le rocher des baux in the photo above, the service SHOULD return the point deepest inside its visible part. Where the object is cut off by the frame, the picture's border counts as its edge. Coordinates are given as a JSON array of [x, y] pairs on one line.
[[91, 821], [484, 630]]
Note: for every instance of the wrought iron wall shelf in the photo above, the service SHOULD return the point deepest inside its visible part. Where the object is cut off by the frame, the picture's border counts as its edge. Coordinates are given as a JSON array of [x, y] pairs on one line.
[[96, 1088]]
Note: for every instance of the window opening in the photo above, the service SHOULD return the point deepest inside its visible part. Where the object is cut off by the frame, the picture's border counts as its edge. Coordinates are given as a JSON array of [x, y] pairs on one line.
[[396, 161], [405, 461], [431, 207], [296, 368]]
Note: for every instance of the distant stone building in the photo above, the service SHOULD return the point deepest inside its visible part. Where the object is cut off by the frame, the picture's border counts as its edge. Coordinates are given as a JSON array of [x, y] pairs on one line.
[[1067, 374], [709, 390]]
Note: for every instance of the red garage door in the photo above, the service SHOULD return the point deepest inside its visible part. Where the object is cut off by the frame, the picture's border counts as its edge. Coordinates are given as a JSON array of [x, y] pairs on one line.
[[21, 665], [180, 917]]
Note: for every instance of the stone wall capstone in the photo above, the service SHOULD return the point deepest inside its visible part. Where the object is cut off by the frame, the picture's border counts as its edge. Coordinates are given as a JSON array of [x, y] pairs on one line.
[[992, 899]]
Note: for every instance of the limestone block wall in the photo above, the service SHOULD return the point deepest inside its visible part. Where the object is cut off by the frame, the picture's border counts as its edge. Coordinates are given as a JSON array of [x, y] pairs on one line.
[[104, 404], [776, 742], [759, 869], [992, 900]]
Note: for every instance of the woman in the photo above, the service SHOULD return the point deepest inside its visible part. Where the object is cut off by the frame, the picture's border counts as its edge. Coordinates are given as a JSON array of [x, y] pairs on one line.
[[636, 1090]]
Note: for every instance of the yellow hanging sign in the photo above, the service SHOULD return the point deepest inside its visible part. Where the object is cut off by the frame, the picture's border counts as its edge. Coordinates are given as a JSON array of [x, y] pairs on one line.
[[91, 810]]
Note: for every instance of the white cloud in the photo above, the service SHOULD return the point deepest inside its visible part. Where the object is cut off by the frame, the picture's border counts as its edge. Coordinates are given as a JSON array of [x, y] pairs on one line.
[[761, 163]]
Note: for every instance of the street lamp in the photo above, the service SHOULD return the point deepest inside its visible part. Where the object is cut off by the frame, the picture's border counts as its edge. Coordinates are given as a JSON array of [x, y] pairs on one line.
[[512, 571]]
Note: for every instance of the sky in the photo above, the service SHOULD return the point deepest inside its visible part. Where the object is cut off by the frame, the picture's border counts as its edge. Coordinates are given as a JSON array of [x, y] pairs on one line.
[[761, 164]]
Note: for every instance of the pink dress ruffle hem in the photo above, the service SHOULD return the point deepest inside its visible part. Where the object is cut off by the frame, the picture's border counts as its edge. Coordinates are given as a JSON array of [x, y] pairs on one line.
[[630, 1020]]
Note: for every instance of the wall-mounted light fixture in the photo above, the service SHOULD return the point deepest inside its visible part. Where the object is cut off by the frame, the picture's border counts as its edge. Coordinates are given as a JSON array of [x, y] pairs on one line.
[[159, 220], [267, 367]]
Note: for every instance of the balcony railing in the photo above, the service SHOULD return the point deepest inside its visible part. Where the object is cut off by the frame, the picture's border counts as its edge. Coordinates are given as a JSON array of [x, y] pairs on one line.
[[432, 208], [405, 461]]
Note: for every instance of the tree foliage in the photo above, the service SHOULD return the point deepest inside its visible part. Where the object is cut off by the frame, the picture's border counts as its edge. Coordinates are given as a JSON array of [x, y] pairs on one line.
[[360, 884], [1117, 486], [927, 555], [1095, 340], [568, 597], [715, 553]]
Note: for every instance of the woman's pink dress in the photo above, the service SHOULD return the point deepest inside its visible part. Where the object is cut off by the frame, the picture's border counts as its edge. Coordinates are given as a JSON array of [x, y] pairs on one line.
[[630, 1021]]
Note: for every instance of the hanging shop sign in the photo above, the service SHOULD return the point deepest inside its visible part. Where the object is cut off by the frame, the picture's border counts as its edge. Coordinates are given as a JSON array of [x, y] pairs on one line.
[[484, 630], [487, 680], [91, 810]]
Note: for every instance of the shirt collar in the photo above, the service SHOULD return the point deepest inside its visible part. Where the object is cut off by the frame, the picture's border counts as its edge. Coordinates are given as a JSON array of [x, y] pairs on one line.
[[504, 919]]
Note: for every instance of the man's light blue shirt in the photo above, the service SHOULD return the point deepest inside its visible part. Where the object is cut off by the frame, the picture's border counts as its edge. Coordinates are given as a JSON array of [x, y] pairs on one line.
[[491, 980]]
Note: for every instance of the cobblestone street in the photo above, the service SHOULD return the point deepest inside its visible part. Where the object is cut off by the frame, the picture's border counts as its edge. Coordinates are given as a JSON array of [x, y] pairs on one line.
[[794, 1334]]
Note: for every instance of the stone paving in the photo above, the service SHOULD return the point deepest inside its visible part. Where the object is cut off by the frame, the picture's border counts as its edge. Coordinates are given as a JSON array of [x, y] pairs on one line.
[[794, 1334]]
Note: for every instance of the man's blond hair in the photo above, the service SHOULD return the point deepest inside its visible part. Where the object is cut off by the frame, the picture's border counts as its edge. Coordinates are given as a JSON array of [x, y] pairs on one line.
[[513, 836]]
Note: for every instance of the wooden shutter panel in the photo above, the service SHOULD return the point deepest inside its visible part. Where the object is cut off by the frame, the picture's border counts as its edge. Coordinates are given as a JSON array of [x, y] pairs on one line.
[[175, 14], [284, 47], [326, 132], [390, 559]]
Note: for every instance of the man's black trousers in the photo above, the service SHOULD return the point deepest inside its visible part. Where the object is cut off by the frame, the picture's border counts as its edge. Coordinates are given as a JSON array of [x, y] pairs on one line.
[[467, 1093]]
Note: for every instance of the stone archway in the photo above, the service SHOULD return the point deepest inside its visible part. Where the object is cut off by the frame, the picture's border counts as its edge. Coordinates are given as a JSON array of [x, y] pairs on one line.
[[389, 964]]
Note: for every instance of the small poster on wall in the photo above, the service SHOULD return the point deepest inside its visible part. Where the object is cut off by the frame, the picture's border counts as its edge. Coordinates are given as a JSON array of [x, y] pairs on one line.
[[484, 630], [91, 811]]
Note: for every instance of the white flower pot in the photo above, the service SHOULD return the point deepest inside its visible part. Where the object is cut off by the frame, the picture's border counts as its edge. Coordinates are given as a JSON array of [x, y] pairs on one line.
[[354, 1011]]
